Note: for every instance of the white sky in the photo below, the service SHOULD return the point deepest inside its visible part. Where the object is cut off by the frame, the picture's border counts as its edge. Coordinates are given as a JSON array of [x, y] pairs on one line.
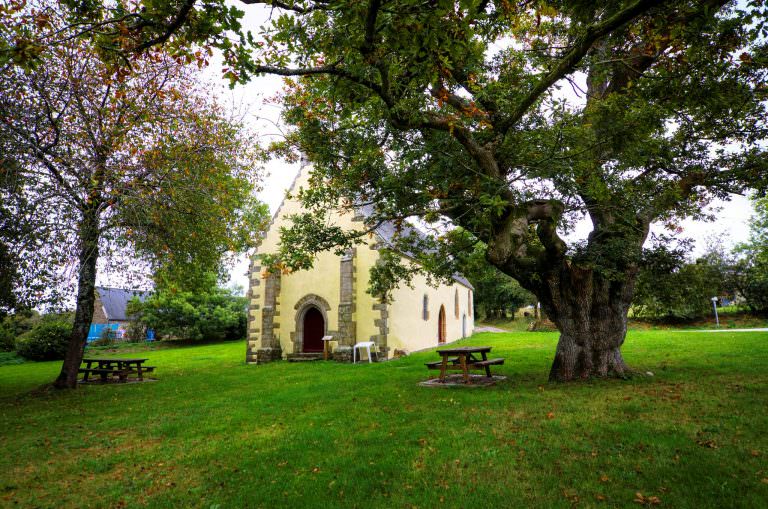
[[730, 227]]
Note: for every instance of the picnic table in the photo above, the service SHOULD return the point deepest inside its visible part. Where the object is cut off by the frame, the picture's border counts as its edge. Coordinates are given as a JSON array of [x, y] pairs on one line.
[[463, 359], [112, 367]]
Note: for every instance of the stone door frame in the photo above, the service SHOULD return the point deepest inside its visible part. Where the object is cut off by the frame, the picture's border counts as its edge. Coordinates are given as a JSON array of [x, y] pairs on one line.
[[302, 306]]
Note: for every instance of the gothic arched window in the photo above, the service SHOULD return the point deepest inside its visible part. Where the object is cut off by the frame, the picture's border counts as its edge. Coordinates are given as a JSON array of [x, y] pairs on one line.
[[469, 302], [456, 303]]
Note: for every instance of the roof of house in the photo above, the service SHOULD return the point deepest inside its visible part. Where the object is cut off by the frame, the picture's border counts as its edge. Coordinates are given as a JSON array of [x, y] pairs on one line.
[[387, 231], [115, 301]]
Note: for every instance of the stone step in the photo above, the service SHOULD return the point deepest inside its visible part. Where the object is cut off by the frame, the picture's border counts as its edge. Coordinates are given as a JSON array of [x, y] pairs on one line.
[[305, 356]]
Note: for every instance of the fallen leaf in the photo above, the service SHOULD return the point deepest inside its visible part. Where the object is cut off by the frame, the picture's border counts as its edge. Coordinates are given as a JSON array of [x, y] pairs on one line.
[[551, 415], [604, 478]]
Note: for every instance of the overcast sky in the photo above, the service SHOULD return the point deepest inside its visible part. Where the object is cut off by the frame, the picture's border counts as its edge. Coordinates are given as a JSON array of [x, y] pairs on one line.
[[730, 227]]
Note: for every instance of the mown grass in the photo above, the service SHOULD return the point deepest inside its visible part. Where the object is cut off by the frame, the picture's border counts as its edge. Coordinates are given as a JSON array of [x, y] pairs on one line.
[[213, 432]]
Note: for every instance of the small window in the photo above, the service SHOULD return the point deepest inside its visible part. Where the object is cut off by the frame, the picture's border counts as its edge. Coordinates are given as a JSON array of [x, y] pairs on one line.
[[425, 308], [456, 303], [469, 301]]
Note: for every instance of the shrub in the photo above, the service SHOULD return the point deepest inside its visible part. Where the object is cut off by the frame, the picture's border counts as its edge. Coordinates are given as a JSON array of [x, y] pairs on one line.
[[135, 332], [107, 338], [672, 290], [13, 326], [47, 341], [214, 315], [7, 338]]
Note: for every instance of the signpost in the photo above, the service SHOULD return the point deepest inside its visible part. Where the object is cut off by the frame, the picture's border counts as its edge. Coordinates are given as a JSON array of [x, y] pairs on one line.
[[714, 306]]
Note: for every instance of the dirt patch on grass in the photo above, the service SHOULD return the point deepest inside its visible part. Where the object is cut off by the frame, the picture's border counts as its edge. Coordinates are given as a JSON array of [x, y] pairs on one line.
[[458, 381]]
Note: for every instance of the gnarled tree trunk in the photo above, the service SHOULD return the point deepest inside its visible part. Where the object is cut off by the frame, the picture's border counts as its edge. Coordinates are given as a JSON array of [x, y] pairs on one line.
[[590, 311], [86, 288]]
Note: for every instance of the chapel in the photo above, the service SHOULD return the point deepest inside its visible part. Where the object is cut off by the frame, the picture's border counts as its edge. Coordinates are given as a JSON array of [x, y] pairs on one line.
[[289, 315]]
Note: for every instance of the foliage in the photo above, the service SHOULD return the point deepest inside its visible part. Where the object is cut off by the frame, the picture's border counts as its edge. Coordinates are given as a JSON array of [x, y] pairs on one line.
[[14, 325], [672, 288], [187, 29], [135, 332], [7, 338], [751, 272], [214, 315], [107, 338], [21, 246], [496, 294], [693, 435], [47, 341], [681, 294], [122, 161], [514, 120], [10, 358], [430, 111]]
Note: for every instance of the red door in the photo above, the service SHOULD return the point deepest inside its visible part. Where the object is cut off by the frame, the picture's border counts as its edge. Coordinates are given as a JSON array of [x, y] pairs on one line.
[[314, 330]]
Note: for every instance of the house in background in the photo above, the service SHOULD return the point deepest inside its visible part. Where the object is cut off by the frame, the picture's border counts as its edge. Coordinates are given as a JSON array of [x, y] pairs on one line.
[[109, 310], [288, 315]]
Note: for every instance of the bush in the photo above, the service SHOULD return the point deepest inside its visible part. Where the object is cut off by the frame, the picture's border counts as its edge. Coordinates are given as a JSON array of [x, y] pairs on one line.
[[671, 290], [13, 326], [7, 338], [214, 315], [107, 338], [135, 332], [46, 342]]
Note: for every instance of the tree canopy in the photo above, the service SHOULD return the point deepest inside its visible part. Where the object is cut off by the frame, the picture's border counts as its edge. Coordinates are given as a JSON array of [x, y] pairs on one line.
[[510, 120], [122, 163], [751, 271], [513, 121]]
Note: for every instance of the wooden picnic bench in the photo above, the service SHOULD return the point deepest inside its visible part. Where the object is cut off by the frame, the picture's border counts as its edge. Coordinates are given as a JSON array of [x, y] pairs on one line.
[[463, 359], [118, 368]]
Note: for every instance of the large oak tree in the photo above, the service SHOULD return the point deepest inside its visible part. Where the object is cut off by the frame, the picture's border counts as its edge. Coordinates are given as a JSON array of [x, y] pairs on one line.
[[513, 120]]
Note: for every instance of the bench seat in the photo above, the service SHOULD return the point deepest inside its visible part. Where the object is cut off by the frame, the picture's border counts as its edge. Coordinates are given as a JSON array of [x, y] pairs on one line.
[[102, 371], [437, 364], [489, 362], [122, 374]]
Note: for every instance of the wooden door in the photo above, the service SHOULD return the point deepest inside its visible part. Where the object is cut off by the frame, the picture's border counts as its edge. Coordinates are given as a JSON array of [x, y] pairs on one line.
[[441, 325], [314, 330]]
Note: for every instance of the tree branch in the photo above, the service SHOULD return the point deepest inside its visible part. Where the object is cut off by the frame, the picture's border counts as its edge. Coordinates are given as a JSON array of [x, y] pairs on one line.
[[571, 59], [317, 6], [179, 20]]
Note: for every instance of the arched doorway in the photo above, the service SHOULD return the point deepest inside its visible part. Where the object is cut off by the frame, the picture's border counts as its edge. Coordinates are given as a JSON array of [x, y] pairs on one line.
[[313, 330], [441, 325]]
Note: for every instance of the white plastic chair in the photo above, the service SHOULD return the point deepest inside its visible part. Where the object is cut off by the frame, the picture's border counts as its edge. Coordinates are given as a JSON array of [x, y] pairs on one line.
[[365, 344]]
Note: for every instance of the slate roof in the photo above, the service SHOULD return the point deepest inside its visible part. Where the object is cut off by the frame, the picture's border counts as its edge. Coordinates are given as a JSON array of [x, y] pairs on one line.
[[115, 300], [387, 232]]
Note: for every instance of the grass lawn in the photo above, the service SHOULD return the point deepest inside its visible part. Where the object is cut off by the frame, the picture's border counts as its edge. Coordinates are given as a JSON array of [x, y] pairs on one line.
[[215, 433]]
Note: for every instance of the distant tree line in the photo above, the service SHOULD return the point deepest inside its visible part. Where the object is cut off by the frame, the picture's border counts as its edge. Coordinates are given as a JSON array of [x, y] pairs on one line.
[[216, 314], [212, 314], [673, 288]]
